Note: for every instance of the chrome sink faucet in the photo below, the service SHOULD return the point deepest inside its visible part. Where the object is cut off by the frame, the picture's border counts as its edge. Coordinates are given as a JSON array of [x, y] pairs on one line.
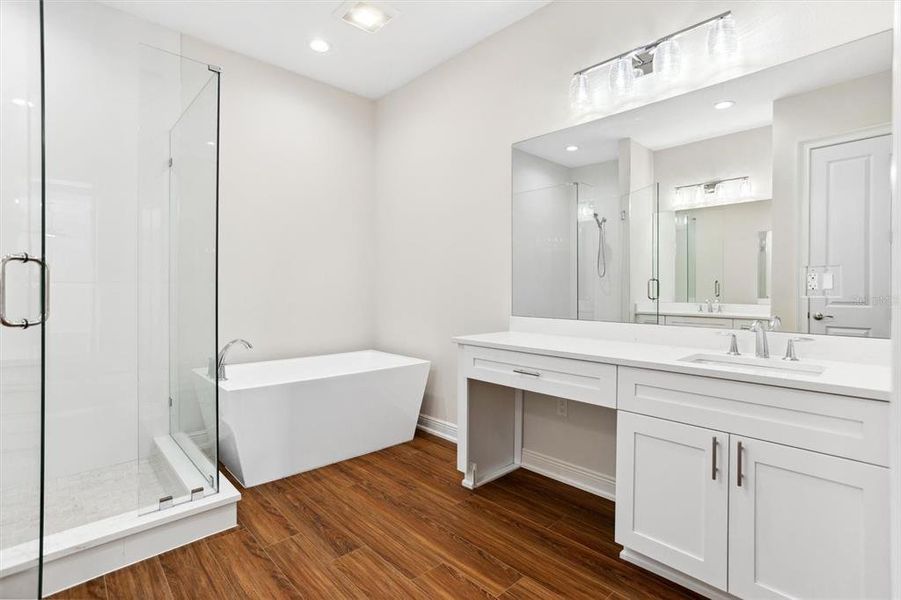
[[219, 370], [760, 329]]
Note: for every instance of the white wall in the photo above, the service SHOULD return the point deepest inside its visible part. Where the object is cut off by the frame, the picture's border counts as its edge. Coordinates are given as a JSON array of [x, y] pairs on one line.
[[797, 120], [296, 211], [443, 153]]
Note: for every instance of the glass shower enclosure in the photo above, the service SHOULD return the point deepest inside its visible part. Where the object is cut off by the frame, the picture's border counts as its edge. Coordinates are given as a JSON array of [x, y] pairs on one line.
[[108, 233]]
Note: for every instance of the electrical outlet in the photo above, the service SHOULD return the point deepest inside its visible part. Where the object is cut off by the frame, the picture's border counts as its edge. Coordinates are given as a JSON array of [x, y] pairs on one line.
[[561, 407], [813, 281]]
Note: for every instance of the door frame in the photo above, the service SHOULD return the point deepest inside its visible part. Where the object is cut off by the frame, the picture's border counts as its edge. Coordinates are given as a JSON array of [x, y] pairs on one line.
[[806, 149]]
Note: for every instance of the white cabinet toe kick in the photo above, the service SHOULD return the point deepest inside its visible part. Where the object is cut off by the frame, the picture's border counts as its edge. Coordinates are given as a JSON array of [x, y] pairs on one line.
[[730, 488]]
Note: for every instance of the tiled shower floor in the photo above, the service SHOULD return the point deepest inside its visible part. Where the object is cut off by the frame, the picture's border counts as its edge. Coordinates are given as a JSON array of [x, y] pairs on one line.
[[86, 497]]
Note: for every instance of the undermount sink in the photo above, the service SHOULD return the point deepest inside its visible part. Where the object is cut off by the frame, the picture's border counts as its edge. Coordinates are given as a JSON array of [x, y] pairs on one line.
[[754, 364]]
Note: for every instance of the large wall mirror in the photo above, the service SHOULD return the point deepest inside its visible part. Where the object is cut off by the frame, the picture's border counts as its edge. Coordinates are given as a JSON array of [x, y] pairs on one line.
[[766, 195]]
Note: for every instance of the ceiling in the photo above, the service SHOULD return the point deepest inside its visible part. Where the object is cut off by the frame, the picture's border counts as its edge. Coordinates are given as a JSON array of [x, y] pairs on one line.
[[424, 34], [691, 117]]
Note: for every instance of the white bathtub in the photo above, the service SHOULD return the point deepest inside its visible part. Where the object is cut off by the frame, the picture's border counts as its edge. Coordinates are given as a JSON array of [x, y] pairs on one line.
[[282, 417]]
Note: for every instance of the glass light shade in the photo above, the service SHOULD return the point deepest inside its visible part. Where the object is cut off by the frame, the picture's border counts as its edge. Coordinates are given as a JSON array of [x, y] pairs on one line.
[[722, 41], [621, 76], [744, 189], [668, 60], [579, 98]]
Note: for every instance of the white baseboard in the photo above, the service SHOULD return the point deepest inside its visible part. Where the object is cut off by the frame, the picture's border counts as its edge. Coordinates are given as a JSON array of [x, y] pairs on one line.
[[443, 429], [590, 481]]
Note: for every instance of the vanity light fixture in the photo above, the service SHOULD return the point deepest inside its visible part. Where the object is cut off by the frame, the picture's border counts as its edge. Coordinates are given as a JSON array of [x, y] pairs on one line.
[[319, 45], [724, 104], [662, 56], [368, 16], [572, 148], [731, 190]]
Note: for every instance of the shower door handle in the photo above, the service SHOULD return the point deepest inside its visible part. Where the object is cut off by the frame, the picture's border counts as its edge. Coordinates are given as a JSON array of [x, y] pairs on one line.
[[24, 257], [653, 284]]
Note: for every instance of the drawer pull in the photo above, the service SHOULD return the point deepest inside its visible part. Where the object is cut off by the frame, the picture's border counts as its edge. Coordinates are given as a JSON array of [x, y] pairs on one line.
[[738, 464], [713, 468], [529, 373]]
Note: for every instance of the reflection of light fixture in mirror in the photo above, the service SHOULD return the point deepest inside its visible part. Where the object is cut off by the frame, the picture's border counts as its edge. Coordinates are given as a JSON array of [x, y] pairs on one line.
[[712, 193], [668, 59], [722, 41], [662, 57], [572, 148], [579, 98], [621, 75], [724, 104]]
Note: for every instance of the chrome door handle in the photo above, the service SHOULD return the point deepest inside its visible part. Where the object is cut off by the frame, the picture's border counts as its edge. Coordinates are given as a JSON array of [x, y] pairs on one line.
[[653, 283], [24, 257], [738, 464], [713, 468], [529, 373], [820, 316]]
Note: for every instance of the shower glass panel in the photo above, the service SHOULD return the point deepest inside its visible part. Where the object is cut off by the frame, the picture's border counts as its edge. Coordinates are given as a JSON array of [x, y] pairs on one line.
[[21, 348], [178, 173], [647, 284], [192, 267], [545, 252]]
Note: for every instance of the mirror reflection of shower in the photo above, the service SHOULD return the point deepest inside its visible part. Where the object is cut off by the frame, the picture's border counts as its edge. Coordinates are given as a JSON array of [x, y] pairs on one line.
[[601, 265]]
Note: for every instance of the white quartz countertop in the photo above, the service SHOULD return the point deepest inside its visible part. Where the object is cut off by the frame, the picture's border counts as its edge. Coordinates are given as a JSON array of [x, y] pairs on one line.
[[845, 378]]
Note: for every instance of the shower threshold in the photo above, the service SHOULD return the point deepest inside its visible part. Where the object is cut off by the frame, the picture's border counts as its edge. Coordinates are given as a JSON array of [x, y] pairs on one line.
[[87, 551]]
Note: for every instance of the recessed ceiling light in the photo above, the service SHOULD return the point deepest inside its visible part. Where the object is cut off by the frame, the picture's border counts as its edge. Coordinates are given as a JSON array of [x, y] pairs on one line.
[[367, 16], [724, 104], [319, 45], [571, 148]]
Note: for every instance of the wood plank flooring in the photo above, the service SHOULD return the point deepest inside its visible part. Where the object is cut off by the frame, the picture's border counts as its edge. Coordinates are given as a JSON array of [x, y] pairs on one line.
[[397, 524]]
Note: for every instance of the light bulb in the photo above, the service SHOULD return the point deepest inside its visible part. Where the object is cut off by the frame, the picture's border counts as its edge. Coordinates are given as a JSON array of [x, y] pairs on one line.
[[621, 75], [668, 60], [579, 97], [722, 41]]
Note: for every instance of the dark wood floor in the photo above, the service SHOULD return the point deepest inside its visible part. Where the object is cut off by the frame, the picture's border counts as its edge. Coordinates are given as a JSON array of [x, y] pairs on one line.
[[397, 524]]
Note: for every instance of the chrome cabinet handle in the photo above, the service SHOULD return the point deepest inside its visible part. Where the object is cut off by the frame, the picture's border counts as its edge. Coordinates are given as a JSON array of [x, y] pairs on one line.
[[24, 257], [820, 316], [713, 468], [529, 373], [738, 464]]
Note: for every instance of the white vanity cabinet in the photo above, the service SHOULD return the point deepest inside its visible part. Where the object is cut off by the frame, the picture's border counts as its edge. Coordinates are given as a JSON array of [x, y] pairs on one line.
[[675, 478], [798, 523], [806, 525]]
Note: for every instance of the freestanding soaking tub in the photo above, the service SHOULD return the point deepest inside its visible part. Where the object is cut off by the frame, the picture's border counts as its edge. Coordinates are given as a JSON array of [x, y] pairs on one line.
[[282, 417]]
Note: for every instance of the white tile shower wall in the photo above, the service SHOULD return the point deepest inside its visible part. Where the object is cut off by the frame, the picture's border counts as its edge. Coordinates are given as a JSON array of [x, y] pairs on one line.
[[93, 83], [443, 153]]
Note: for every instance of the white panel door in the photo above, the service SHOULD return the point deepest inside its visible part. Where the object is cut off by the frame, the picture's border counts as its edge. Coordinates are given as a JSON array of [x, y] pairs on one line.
[[806, 525], [672, 494], [850, 227]]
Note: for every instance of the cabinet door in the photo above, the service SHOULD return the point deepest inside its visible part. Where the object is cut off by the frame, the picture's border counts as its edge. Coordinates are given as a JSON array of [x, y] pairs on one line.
[[672, 494], [806, 525]]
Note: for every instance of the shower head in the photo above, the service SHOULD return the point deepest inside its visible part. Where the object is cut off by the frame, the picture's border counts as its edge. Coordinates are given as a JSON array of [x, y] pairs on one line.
[[600, 222]]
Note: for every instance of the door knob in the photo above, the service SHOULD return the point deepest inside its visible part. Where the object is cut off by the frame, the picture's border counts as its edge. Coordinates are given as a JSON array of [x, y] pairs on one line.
[[820, 316]]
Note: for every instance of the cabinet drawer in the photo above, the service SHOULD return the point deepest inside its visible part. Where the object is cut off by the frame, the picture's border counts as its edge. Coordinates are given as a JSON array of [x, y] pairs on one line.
[[717, 322], [854, 428], [578, 380]]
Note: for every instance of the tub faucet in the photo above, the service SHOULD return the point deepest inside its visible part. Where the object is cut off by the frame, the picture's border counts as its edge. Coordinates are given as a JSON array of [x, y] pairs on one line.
[[760, 328], [219, 370]]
